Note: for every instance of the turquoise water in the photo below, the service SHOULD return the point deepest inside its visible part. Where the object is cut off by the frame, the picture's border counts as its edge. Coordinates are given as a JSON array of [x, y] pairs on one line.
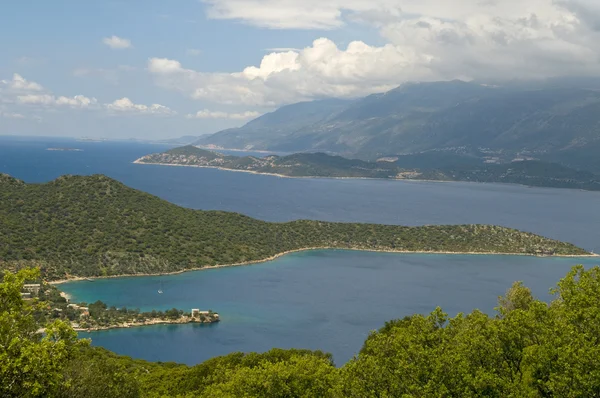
[[325, 299]]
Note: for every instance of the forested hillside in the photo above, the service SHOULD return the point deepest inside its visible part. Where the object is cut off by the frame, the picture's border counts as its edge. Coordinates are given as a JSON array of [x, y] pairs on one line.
[[96, 226]]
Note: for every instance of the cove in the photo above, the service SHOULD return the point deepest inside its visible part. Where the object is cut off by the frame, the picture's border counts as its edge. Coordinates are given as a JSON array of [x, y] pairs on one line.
[[321, 299]]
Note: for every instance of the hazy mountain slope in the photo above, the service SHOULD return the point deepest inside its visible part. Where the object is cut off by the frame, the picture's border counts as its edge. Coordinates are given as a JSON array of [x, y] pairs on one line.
[[264, 131], [429, 116]]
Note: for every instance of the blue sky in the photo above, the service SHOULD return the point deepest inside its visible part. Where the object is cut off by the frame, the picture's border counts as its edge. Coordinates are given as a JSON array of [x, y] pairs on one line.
[[158, 69]]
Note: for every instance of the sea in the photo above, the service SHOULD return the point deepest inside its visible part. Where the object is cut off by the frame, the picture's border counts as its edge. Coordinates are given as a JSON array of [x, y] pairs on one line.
[[328, 300]]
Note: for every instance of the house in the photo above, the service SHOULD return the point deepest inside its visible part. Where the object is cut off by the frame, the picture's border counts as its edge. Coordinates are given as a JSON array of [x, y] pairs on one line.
[[196, 313], [33, 288]]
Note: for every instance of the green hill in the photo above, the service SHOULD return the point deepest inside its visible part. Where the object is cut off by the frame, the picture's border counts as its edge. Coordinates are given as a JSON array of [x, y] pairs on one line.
[[96, 226]]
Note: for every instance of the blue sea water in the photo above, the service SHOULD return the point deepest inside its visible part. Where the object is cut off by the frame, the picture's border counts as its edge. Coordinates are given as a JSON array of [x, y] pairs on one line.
[[325, 299], [320, 300]]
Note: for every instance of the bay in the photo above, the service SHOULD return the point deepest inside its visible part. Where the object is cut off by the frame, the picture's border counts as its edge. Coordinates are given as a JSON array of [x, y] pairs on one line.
[[323, 299], [319, 300]]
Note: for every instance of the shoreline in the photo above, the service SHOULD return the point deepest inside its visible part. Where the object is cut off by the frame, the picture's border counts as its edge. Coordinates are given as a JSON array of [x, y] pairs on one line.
[[139, 161], [153, 322], [279, 255]]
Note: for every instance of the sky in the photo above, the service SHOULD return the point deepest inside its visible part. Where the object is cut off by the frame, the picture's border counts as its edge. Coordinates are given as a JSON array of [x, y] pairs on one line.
[[156, 69]]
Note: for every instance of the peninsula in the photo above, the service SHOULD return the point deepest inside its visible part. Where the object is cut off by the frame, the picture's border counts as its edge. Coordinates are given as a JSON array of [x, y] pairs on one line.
[[95, 226], [99, 316], [431, 167]]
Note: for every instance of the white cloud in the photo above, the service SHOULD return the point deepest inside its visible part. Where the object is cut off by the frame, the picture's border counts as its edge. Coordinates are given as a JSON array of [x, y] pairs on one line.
[[281, 49], [30, 96], [117, 43], [425, 40], [125, 105], [299, 14], [20, 84], [322, 70], [207, 114], [78, 101]]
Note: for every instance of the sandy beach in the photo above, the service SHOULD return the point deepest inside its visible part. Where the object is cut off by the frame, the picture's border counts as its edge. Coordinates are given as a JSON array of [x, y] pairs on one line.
[[276, 256]]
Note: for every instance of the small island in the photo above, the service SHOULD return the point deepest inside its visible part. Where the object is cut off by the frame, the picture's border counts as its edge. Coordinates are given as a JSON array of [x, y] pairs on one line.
[[98, 316], [65, 149], [417, 167]]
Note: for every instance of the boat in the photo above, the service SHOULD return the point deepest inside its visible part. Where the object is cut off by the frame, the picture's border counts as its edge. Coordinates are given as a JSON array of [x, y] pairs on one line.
[[160, 291]]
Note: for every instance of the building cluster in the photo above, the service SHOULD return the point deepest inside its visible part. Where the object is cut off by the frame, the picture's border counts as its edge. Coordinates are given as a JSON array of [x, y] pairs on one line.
[[30, 290]]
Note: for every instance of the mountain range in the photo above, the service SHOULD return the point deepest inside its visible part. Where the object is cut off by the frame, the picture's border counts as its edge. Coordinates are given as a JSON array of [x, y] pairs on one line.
[[551, 122]]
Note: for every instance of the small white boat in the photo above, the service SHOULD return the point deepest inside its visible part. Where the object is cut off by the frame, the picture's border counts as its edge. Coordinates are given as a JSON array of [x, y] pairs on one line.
[[160, 292]]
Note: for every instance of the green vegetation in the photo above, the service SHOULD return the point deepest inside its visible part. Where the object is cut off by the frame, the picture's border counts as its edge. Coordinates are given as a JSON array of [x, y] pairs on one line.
[[528, 348], [438, 166], [30, 364], [96, 226]]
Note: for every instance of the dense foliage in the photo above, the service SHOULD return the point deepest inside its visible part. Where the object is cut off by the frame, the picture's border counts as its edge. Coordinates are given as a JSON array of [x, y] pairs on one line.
[[424, 166], [96, 226], [30, 364], [528, 348]]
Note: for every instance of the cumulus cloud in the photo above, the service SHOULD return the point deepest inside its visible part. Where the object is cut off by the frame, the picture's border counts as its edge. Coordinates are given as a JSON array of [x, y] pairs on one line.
[[117, 43], [322, 70], [125, 105], [207, 114], [25, 94], [78, 101], [424, 40], [19, 84]]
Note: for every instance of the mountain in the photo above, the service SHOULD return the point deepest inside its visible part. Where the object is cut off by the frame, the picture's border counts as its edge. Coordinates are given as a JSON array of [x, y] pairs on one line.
[[451, 116], [262, 133], [96, 226]]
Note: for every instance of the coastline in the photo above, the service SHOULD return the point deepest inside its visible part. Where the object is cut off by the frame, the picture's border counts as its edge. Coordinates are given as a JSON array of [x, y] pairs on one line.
[[152, 322], [276, 256], [139, 161]]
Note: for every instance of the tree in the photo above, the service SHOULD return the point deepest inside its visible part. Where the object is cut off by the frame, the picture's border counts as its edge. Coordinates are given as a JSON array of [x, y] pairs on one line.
[[300, 376], [91, 374], [31, 364]]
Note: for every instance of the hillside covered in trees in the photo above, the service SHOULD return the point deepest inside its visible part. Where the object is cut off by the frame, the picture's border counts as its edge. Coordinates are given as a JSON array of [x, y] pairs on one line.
[[528, 348], [96, 226]]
